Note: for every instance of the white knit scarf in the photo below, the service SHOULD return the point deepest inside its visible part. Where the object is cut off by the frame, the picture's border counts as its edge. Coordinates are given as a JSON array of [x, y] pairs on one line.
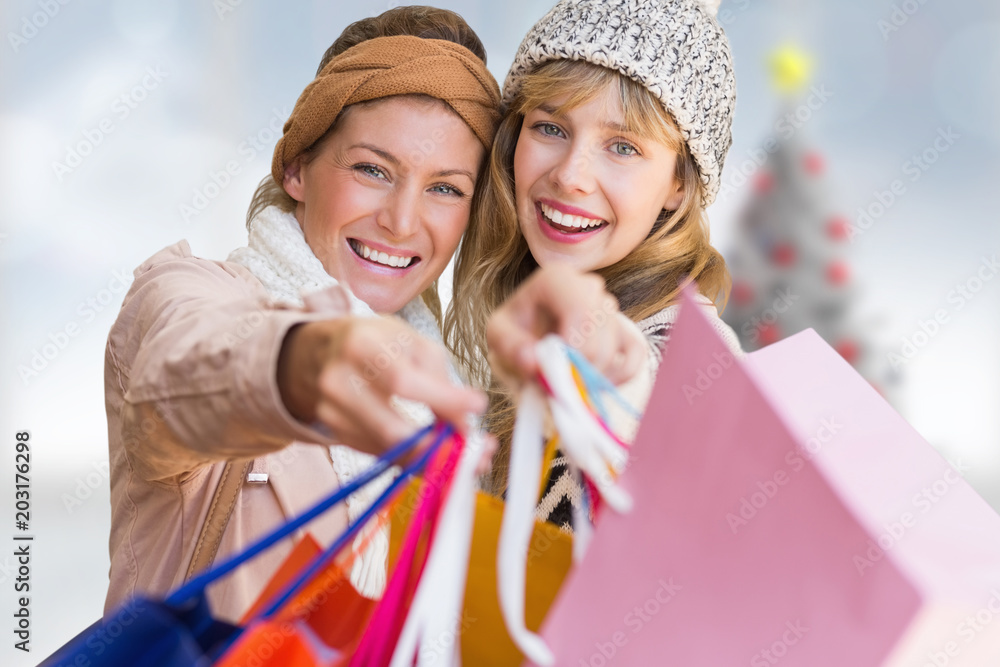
[[280, 258]]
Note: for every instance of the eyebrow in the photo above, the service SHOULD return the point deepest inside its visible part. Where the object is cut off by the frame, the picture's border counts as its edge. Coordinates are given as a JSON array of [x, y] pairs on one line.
[[609, 124], [394, 161]]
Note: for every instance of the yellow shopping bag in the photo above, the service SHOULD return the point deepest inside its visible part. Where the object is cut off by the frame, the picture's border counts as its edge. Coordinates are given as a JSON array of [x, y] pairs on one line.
[[483, 635]]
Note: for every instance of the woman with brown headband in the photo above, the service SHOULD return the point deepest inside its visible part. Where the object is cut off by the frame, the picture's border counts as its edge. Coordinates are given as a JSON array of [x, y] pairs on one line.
[[239, 392], [221, 371]]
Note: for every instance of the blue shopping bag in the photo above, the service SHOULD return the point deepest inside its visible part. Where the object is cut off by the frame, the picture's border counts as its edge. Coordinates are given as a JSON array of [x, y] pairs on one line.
[[180, 630]]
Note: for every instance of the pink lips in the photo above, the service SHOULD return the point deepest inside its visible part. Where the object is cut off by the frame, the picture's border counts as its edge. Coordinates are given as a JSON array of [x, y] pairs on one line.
[[557, 235]]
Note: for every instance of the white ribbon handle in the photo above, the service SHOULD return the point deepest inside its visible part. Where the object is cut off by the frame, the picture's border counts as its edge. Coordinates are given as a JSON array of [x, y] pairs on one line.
[[586, 445], [437, 604], [518, 523]]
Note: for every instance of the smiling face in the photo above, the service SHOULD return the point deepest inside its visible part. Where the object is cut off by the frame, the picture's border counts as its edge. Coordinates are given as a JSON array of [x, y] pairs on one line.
[[587, 190], [385, 199]]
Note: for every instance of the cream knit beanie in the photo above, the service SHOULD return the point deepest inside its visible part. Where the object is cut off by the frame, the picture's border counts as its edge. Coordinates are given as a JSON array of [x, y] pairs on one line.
[[675, 48]]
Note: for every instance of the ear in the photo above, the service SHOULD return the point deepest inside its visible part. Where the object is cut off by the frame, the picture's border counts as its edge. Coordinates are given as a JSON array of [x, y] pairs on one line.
[[294, 183], [676, 196]]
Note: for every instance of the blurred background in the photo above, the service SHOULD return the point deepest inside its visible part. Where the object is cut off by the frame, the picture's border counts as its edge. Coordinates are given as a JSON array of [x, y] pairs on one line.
[[860, 198]]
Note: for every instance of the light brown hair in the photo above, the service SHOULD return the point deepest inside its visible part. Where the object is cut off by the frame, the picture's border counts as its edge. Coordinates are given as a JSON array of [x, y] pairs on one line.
[[494, 258]]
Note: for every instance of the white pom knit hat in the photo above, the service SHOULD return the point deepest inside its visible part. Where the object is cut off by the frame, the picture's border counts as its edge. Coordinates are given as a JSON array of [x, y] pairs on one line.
[[675, 48]]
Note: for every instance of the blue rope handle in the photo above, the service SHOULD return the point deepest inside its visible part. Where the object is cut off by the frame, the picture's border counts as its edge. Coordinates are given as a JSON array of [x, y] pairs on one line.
[[321, 561], [194, 587], [597, 384]]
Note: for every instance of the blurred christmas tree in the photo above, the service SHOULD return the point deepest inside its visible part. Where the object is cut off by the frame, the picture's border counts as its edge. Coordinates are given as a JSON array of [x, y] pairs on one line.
[[789, 261]]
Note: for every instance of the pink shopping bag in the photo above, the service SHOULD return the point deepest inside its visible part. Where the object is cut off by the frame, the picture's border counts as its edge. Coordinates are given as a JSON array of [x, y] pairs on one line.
[[784, 514]]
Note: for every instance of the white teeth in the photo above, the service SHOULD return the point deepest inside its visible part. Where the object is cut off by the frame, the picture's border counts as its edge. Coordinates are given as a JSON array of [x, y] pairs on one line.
[[567, 220], [380, 257]]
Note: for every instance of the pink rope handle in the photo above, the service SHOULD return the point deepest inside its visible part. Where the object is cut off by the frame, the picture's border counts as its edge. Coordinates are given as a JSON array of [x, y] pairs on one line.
[[379, 639]]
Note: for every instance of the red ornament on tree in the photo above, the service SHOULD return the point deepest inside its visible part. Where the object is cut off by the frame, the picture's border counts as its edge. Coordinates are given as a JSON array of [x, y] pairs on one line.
[[763, 182], [848, 349], [783, 254], [742, 293], [838, 229], [768, 333], [838, 273], [814, 163]]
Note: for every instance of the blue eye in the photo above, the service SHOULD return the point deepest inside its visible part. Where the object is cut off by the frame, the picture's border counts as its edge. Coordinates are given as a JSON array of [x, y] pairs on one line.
[[371, 170], [446, 189], [625, 149]]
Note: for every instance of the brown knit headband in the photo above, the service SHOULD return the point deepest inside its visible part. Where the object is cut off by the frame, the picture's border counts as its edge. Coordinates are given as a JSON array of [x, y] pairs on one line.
[[387, 66]]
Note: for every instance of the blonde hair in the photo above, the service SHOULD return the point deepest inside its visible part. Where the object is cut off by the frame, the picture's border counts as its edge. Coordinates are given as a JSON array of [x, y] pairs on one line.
[[494, 258], [416, 20]]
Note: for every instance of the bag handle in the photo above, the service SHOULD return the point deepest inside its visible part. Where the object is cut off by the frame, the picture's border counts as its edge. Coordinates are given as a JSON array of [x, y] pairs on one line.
[[197, 584], [590, 447], [321, 561], [219, 514]]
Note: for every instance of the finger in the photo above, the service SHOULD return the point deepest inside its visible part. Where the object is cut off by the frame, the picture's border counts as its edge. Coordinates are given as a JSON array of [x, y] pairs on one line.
[[631, 355], [359, 415], [332, 301], [512, 345], [449, 402], [509, 378], [486, 458]]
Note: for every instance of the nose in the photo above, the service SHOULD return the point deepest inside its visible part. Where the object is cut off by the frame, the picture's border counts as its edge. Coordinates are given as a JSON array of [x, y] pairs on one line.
[[574, 172], [402, 213]]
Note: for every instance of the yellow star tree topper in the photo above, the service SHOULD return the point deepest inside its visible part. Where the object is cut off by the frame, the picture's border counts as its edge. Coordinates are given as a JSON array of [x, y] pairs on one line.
[[791, 69]]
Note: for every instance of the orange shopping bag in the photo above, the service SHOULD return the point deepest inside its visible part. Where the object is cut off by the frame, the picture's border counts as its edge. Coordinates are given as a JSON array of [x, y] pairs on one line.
[[309, 615]]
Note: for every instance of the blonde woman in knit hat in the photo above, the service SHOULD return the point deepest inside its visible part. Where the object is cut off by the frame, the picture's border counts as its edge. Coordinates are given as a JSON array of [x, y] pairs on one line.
[[617, 117], [251, 376]]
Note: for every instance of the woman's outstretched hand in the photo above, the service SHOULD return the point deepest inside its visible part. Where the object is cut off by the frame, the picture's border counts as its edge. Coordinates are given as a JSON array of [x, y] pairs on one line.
[[560, 299], [344, 372]]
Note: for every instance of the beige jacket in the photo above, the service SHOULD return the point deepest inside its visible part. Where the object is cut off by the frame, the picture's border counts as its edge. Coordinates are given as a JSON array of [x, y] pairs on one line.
[[190, 372]]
